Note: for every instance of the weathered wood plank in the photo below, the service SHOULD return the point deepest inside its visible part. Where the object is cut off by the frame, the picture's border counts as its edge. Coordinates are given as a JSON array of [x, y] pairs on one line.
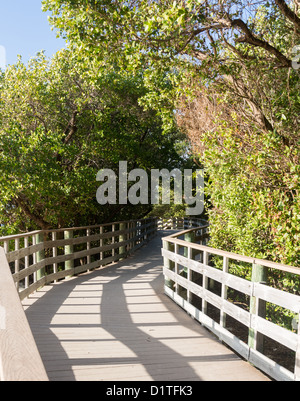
[[19, 356], [297, 362], [85, 239], [271, 368], [21, 253], [224, 278], [277, 297], [277, 333]]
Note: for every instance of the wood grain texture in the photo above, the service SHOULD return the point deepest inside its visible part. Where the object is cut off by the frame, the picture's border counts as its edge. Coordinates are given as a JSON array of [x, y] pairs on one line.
[[19, 356]]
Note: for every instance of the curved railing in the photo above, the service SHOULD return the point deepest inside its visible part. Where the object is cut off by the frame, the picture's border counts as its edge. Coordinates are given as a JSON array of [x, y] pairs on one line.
[[198, 278], [42, 257], [204, 282], [31, 260], [177, 223]]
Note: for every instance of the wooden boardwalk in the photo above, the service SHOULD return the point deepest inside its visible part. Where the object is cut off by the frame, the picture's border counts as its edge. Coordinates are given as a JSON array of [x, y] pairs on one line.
[[116, 324]]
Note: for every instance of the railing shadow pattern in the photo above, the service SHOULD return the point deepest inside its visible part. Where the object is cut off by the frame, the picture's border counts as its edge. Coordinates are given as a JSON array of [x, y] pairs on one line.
[[31, 260], [202, 281]]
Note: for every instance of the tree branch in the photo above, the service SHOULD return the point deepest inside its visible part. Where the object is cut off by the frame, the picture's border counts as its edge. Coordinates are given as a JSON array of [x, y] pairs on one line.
[[254, 41], [20, 201], [71, 128], [241, 90], [288, 13], [236, 51]]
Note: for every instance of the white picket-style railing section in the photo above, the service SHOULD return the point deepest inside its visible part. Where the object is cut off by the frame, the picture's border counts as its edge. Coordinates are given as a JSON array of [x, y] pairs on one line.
[[198, 277]]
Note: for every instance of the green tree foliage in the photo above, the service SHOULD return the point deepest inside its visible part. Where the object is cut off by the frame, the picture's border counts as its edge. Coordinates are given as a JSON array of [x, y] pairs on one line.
[[231, 63], [62, 120]]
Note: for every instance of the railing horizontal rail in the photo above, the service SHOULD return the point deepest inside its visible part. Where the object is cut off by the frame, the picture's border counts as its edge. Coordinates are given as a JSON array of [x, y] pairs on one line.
[[32, 260], [214, 274], [40, 257], [273, 265], [179, 223], [202, 280]]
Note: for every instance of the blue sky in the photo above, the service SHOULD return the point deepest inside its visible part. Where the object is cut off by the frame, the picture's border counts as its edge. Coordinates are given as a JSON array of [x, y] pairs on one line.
[[24, 30]]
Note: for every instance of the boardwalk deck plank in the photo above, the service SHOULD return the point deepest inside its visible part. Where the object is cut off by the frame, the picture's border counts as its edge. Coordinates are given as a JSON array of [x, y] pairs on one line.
[[116, 324]]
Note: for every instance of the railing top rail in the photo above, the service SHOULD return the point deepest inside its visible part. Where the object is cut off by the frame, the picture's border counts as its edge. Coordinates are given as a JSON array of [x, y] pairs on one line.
[[23, 235], [56, 230], [267, 263], [189, 230], [50, 230]]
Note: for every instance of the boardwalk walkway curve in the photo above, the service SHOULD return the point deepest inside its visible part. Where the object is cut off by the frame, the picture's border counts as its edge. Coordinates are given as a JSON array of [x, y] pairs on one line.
[[117, 324], [94, 307]]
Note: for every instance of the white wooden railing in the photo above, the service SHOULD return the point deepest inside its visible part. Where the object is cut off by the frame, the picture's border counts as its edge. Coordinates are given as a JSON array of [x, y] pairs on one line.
[[42, 257], [177, 223], [31, 260], [200, 279], [192, 274]]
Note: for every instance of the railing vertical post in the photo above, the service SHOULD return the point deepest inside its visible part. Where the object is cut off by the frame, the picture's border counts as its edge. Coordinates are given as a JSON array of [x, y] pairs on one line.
[[257, 307], [168, 264], [204, 283], [6, 246], [101, 244], [40, 256], [122, 238], [54, 253], [176, 250], [144, 232], [88, 247], [17, 262], [297, 362], [129, 236], [132, 227], [26, 244], [224, 291], [188, 253], [113, 238], [69, 249], [140, 231], [137, 232], [189, 237], [34, 257], [189, 275]]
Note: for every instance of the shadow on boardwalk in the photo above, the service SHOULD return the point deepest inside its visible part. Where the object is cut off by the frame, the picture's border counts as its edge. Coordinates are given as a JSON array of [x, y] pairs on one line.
[[116, 324]]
